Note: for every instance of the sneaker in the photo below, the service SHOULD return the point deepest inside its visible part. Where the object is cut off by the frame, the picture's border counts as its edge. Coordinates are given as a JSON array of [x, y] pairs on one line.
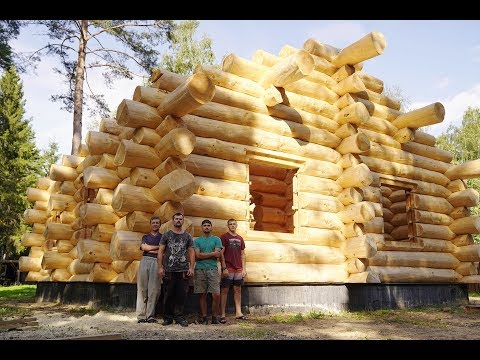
[[183, 323], [152, 320], [141, 321], [215, 320], [167, 322]]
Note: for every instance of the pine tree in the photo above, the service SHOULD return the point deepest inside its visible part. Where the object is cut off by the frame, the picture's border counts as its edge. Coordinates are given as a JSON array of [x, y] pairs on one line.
[[19, 162]]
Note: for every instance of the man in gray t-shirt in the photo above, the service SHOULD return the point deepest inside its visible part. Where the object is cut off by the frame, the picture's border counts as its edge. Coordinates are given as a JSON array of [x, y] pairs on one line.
[[176, 261]]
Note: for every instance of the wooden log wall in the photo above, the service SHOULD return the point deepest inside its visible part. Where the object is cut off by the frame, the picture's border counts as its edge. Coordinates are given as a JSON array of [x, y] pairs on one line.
[[328, 179]]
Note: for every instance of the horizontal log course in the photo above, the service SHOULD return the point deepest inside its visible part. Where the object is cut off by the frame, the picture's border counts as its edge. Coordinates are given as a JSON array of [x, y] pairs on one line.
[[28, 263], [35, 252], [135, 114], [90, 160], [143, 177], [259, 169], [429, 217], [319, 219], [363, 246], [258, 138], [436, 260], [358, 213], [356, 176], [466, 225], [456, 186], [263, 272], [471, 279], [351, 84], [31, 216], [467, 268], [62, 173], [430, 203], [146, 136], [287, 70], [319, 202], [34, 194], [112, 127], [379, 138], [104, 197], [103, 232], [198, 89], [321, 64], [272, 227], [129, 198], [93, 214], [375, 226], [35, 276], [419, 187], [427, 115], [463, 240], [397, 195], [467, 170], [72, 160], [272, 252], [226, 189], [429, 152], [266, 184], [100, 143], [95, 177], [370, 193], [468, 253], [379, 99], [125, 246], [220, 149], [60, 202], [404, 135], [101, 273], [78, 278], [271, 215], [67, 188], [58, 231], [40, 205], [350, 196], [354, 144], [392, 274], [403, 157], [44, 183], [130, 154], [139, 221], [407, 171], [55, 260], [346, 130], [216, 168], [459, 212], [76, 267], [401, 219], [433, 231], [169, 208], [60, 275], [218, 208], [91, 251]]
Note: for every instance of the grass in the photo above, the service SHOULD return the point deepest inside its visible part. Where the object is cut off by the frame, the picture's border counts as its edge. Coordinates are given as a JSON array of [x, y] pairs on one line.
[[17, 292], [253, 333], [6, 311]]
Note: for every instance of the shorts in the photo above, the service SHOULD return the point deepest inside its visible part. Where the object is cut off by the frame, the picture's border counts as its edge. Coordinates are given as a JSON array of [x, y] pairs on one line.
[[206, 281], [234, 278]]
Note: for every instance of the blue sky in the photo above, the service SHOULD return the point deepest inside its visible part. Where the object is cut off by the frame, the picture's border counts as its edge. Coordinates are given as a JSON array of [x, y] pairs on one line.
[[429, 60]]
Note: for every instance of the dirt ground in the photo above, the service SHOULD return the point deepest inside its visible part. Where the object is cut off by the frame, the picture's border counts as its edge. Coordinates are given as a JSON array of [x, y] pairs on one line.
[[57, 321]]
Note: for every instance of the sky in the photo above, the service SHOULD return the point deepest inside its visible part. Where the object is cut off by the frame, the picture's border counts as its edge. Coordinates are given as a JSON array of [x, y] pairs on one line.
[[428, 60]]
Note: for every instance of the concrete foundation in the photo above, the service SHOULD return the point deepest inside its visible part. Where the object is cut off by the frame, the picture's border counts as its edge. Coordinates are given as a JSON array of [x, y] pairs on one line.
[[270, 298]]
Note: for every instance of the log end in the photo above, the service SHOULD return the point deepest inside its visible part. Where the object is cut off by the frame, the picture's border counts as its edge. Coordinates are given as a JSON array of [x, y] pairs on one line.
[[201, 87], [305, 62], [122, 112], [439, 110], [378, 41]]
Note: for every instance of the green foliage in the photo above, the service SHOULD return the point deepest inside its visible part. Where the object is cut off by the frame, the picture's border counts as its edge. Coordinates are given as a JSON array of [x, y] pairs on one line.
[[19, 162], [9, 29], [17, 292], [49, 156], [185, 52], [462, 142]]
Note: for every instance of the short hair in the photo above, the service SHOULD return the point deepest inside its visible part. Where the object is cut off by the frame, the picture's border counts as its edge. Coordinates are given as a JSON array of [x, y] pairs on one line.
[[177, 214], [155, 218], [206, 221], [231, 220]]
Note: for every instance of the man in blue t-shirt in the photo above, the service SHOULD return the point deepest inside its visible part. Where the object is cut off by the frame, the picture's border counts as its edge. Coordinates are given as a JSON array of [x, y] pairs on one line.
[[208, 249]]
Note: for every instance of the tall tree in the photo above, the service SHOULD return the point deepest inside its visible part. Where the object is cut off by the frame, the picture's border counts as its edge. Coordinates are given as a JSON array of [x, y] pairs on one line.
[[19, 161], [462, 142], [185, 52], [9, 29], [83, 45]]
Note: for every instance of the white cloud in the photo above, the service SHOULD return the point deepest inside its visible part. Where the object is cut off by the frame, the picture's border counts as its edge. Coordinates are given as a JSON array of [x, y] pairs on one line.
[[443, 82], [338, 35], [455, 107]]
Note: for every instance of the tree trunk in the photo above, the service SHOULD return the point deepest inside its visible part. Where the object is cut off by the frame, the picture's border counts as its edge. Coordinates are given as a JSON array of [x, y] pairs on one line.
[[78, 94]]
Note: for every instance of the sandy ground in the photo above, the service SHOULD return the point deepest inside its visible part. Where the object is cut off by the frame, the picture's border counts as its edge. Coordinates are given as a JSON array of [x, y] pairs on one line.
[[56, 321]]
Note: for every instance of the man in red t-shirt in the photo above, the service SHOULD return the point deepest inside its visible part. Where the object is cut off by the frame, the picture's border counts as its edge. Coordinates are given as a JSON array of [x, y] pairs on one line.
[[233, 269]]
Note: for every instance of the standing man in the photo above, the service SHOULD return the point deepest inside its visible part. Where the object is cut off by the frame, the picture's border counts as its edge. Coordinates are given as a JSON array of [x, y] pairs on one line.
[[208, 249], [148, 281], [233, 269], [176, 261]]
